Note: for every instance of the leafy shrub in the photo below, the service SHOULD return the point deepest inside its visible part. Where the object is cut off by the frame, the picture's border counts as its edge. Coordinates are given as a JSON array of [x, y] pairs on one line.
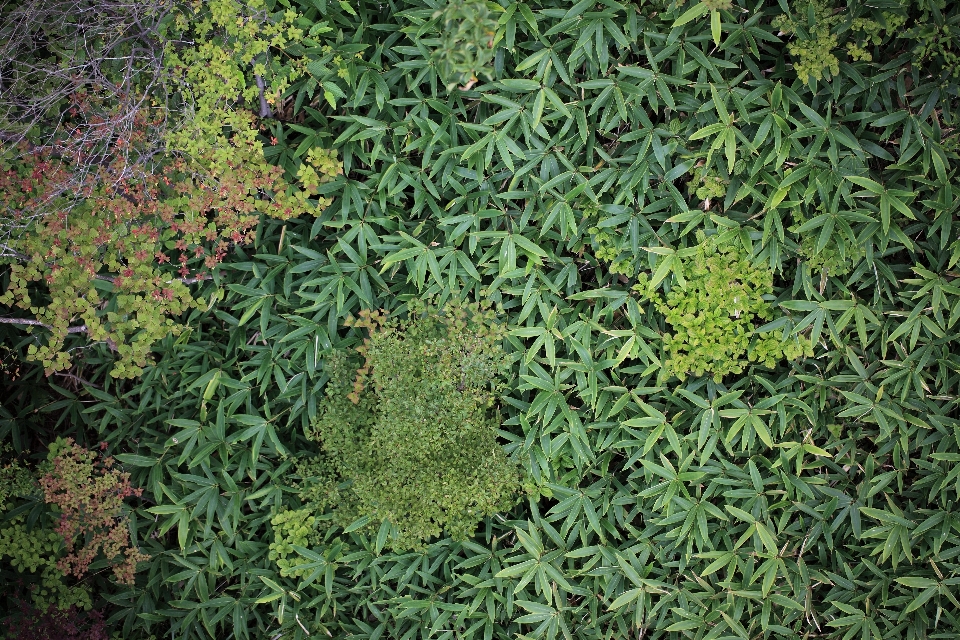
[[117, 210], [715, 308], [290, 529], [33, 548], [89, 493], [814, 53], [414, 433], [29, 549]]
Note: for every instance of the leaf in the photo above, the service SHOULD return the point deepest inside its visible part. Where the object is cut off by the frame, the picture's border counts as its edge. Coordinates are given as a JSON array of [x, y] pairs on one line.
[[867, 183], [358, 524], [136, 460], [766, 537], [163, 510], [663, 269], [917, 582], [519, 85], [762, 432], [709, 130], [517, 569], [626, 597], [692, 13]]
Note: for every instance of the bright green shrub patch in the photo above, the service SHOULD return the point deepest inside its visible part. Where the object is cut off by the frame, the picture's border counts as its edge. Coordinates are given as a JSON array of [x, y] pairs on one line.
[[414, 436], [714, 309], [292, 528]]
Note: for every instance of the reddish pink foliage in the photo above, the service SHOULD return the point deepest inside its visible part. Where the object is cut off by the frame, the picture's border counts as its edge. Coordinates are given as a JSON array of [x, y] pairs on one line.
[[90, 495]]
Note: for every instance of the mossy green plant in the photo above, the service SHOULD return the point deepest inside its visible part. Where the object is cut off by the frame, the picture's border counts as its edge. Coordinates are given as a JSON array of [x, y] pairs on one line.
[[412, 432]]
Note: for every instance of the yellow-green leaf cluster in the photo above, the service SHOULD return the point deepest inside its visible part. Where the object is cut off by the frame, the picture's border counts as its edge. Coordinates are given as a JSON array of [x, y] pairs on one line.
[[292, 528], [714, 314]]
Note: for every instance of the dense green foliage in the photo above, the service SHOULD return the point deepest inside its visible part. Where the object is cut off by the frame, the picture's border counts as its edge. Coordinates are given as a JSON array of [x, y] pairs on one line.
[[782, 466], [467, 29], [410, 430]]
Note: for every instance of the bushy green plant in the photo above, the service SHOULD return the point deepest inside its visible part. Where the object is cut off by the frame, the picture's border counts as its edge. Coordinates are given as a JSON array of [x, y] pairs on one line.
[[292, 528], [714, 312], [33, 549], [819, 26], [415, 431], [707, 185], [813, 54], [608, 250], [88, 494]]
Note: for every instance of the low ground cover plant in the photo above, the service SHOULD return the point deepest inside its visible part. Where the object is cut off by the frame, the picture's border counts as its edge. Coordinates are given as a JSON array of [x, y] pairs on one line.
[[689, 370]]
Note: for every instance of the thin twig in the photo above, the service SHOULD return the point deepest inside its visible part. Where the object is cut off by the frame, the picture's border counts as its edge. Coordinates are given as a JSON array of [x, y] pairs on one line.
[[78, 379], [192, 280], [36, 323]]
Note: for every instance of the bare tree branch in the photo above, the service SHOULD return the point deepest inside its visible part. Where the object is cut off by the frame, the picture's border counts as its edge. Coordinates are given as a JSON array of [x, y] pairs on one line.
[[265, 111], [36, 323], [192, 280], [9, 252], [75, 378]]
